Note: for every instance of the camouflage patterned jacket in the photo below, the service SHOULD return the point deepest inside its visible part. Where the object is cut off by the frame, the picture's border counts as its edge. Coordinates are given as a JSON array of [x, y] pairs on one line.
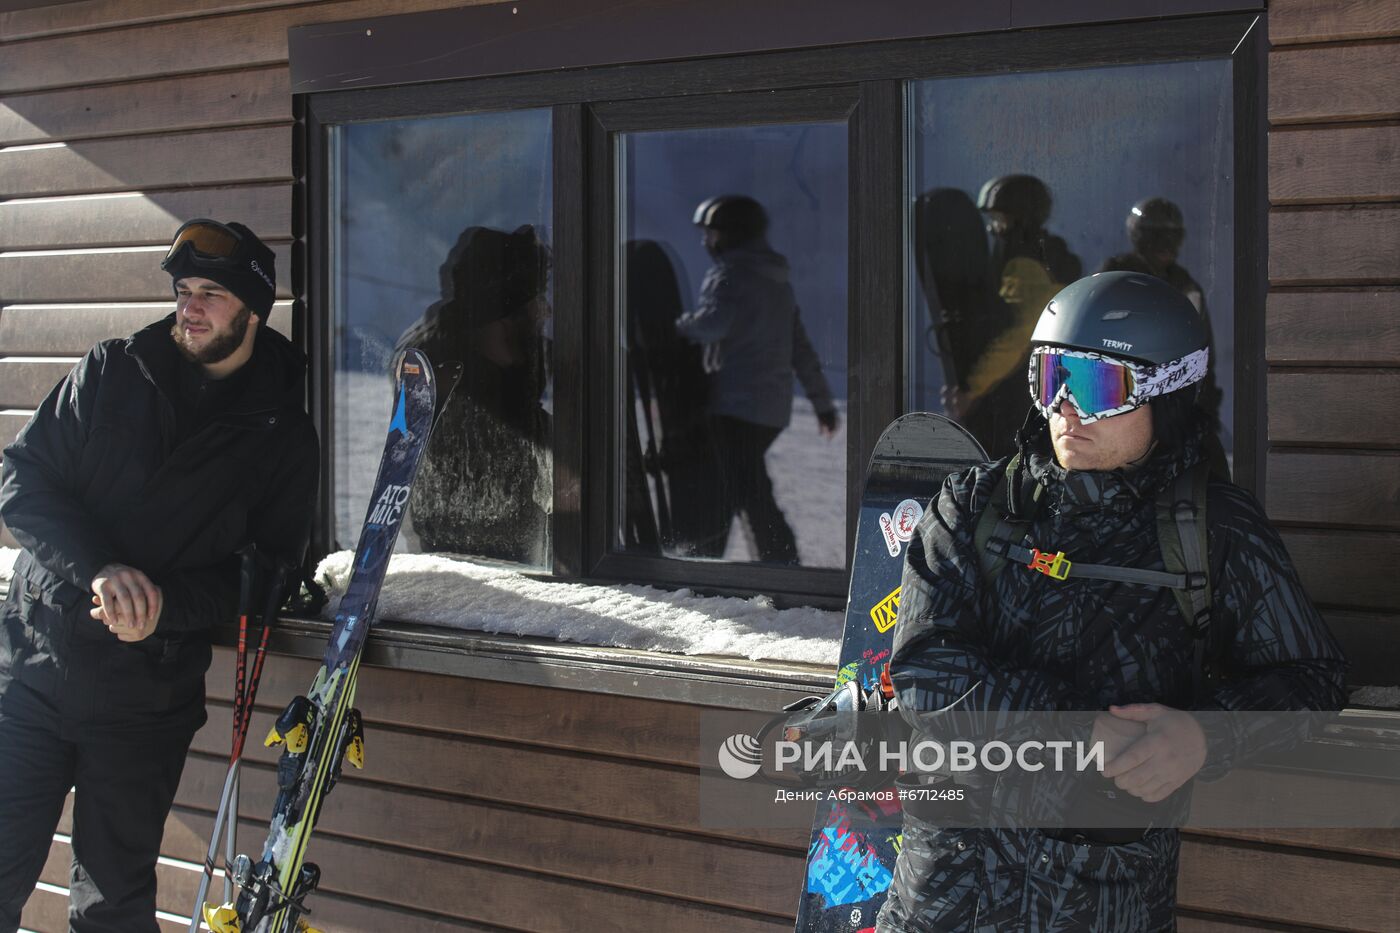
[[1023, 641]]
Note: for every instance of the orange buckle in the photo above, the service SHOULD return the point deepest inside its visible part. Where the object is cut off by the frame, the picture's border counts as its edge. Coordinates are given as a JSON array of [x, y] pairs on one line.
[[886, 684], [1052, 565]]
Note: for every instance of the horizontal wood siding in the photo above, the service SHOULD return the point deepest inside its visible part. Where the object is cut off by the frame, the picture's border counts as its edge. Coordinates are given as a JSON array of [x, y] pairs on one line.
[[1333, 470], [1332, 20], [165, 105], [526, 807], [1333, 327], [1333, 313], [1334, 83], [140, 219]]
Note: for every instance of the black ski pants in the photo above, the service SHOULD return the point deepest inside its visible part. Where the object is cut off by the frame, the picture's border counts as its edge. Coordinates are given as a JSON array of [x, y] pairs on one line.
[[123, 789], [748, 489]]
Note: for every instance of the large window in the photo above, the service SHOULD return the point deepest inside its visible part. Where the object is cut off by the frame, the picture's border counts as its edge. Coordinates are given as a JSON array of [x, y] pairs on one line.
[[1021, 183], [690, 295], [441, 241]]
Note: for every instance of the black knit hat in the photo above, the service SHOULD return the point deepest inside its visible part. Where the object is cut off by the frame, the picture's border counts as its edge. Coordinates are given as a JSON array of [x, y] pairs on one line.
[[227, 253]]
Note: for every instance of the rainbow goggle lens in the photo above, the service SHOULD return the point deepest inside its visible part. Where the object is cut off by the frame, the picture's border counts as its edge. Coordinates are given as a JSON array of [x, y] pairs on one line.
[[211, 242], [1100, 386]]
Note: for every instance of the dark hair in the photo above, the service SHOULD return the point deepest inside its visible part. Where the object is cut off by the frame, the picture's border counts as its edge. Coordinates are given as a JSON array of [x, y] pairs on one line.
[[1176, 417]]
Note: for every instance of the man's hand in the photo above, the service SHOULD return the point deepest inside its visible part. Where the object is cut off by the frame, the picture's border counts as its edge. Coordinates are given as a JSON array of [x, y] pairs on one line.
[[1170, 752], [1117, 735], [828, 423], [126, 601]]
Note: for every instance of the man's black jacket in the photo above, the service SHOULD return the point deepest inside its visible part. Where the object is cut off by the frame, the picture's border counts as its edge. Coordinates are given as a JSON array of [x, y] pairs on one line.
[[969, 647], [100, 475], [1026, 642]]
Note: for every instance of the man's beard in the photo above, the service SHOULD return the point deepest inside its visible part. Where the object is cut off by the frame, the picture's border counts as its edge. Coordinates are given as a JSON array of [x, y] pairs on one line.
[[220, 347]]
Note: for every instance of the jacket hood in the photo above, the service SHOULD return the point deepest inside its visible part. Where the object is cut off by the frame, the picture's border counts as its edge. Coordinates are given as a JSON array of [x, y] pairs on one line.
[[277, 370], [1121, 490], [758, 257]]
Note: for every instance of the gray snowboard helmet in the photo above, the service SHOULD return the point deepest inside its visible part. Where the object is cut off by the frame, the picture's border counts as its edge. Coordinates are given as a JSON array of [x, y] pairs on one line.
[[1137, 322]]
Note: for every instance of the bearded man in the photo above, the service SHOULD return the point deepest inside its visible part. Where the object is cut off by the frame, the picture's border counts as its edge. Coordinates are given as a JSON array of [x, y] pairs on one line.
[[131, 490]]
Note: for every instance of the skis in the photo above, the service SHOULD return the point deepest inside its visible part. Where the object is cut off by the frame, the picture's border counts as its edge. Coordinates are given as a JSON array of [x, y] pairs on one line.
[[850, 861], [322, 729]]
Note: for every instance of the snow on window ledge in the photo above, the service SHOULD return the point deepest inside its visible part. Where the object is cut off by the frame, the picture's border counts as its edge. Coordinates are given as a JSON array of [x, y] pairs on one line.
[[474, 595], [481, 596]]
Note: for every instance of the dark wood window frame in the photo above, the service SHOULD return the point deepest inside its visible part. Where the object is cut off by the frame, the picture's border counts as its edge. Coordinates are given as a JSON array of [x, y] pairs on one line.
[[865, 81]]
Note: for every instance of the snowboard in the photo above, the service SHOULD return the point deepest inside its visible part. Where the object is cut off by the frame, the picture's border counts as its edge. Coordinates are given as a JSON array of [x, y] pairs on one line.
[[850, 860], [321, 730]]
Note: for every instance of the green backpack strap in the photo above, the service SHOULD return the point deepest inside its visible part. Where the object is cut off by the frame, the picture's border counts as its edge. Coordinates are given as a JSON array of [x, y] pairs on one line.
[[1182, 532]]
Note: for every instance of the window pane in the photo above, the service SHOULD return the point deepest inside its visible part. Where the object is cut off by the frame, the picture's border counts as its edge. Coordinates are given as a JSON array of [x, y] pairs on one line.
[[1058, 161], [442, 242], [733, 396]]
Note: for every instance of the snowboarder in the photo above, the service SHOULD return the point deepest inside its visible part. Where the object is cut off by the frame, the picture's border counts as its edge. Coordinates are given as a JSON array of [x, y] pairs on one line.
[[1116, 363], [130, 490], [751, 330], [1028, 264], [967, 313], [1156, 228]]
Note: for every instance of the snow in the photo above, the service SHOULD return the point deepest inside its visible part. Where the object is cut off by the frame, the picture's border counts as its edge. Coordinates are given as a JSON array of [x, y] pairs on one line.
[[474, 595], [808, 473], [1378, 697]]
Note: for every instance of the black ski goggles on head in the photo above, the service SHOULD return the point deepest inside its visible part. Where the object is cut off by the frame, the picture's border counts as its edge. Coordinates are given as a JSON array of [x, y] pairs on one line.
[[209, 242]]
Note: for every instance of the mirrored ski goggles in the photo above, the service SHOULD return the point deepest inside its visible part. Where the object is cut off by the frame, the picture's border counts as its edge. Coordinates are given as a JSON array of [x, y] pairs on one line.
[[211, 242], [1099, 386]]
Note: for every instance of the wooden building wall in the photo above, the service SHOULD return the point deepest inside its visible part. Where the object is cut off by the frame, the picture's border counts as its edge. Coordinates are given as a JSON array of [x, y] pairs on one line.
[[489, 806], [1333, 313]]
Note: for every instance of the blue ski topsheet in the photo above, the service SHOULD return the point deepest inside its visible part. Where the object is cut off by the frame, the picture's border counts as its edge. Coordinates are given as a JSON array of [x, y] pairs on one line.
[[409, 426], [850, 860]]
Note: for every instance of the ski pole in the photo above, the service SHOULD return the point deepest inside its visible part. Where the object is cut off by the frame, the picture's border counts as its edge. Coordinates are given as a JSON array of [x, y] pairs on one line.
[[248, 572], [243, 712]]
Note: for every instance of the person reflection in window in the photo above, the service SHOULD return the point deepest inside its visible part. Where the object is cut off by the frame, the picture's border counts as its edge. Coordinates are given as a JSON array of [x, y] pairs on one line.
[[966, 313], [1157, 229], [672, 447], [486, 486], [1032, 265], [751, 331]]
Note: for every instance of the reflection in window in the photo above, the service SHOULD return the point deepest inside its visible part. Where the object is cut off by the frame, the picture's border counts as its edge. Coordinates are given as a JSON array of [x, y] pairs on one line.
[[1024, 182], [732, 290], [441, 243]]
